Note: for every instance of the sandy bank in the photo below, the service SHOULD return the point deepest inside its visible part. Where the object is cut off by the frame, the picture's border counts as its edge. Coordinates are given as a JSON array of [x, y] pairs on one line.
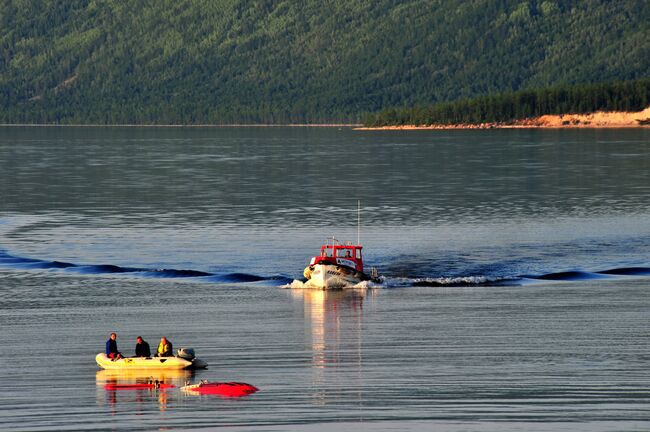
[[243, 125], [598, 119]]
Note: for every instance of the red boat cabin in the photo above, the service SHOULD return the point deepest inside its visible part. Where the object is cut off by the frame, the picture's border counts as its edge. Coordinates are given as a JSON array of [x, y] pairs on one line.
[[337, 254]]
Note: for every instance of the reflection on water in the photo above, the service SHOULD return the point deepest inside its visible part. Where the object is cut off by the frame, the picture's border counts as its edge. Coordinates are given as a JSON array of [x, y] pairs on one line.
[[176, 377], [140, 398], [335, 320]]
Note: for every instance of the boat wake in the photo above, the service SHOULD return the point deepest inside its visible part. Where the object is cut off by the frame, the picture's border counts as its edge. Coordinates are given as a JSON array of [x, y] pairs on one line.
[[563, 276], [463, 281], [302, 284], [22, 263], [391, 279], [473, 281]]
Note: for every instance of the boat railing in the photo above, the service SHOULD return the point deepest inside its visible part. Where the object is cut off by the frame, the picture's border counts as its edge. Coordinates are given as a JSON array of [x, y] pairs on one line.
[[335, 242], [332, 241]]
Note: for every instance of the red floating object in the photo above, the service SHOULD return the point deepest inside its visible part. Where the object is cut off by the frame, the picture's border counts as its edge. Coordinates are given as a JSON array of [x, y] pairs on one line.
[[228, 389]]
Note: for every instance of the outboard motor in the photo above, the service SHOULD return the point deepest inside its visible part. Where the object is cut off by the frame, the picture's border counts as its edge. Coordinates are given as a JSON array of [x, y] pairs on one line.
[[186, 353]]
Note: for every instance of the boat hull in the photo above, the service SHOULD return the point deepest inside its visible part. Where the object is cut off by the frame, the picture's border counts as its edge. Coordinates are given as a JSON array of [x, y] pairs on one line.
[[150, 363], [331, 276]]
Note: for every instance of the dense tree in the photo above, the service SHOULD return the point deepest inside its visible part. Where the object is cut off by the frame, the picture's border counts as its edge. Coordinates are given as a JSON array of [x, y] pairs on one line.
[[240, 61], [507, 107]]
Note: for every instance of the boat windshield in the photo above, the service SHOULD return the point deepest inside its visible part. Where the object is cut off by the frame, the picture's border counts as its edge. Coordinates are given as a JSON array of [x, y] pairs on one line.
[[340, 251], [344, 253]]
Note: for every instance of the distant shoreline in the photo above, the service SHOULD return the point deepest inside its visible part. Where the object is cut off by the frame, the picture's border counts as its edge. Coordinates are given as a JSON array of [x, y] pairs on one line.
[[596, 120], [320, 125]]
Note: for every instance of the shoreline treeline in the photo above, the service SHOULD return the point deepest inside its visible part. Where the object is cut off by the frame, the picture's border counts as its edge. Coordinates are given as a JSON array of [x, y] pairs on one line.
[[633, 95]]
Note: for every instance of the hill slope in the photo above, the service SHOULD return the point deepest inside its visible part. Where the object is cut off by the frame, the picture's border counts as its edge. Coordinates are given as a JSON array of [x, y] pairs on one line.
[[274, 61]]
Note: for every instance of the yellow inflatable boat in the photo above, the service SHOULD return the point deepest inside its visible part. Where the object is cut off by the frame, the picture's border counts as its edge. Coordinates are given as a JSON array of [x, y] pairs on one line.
[[151, 363]]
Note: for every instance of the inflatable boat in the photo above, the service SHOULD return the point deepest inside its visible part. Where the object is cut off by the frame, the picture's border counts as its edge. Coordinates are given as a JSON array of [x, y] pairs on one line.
[[184, 359]]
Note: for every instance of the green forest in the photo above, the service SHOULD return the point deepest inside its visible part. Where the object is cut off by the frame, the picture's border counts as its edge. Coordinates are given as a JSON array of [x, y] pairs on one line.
[[280, 61], [511, 106]]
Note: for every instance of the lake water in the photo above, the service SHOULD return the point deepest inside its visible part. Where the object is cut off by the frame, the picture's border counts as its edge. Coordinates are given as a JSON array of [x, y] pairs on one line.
[[515, 265]]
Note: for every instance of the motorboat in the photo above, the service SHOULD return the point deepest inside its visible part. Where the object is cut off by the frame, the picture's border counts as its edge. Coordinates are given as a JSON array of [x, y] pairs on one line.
[[338, 266], [184, 359]]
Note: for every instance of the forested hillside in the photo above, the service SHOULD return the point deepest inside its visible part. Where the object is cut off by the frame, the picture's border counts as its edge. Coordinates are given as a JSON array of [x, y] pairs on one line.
[[308, 61], [627, 96]]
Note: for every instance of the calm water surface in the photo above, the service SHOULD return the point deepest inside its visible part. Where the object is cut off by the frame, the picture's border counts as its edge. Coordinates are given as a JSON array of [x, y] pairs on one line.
[[516, 267]]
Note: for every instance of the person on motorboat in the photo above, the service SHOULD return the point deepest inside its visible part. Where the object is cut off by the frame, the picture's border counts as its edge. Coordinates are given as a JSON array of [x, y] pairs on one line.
[[111, 348], [142, 348], [164, 348]]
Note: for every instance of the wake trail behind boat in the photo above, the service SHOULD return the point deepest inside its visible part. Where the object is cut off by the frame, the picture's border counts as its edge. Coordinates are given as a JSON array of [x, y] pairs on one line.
[[469, 281], [22, 263], [498, 274]]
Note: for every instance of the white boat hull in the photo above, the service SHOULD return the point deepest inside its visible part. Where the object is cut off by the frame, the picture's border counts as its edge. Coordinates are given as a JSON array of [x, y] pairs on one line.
[[329, 276], [152, 363]]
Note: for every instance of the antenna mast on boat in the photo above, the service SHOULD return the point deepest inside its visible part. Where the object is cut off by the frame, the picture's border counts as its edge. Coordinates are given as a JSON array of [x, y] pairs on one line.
[[358, 222]]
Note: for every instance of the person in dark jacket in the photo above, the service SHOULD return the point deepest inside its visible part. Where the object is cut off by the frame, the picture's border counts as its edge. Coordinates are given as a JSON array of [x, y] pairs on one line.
[[111, 348], [142, 348], [164, 348]]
